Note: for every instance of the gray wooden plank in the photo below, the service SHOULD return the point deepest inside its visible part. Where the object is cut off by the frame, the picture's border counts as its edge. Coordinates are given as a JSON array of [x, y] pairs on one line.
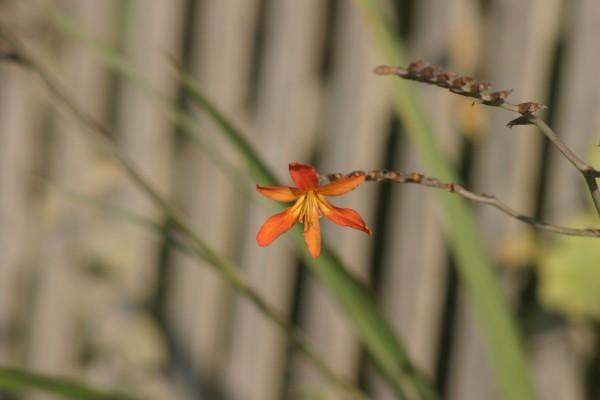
[[284, 131], [19, 114], [415, 269], [577, 106], [133, 349], [521, 39], [355, 121], [54, 342], [223, 37]]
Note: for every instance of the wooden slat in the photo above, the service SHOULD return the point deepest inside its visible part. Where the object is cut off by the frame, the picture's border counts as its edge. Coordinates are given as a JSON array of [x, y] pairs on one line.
[[54, 342], [554, 352], [19, 113], [555, 365], [506, 163], [577, 106], [353, 136], [223, 34], [133, 349], [144, 133], [286, 117], [413, 283], [354, 132]]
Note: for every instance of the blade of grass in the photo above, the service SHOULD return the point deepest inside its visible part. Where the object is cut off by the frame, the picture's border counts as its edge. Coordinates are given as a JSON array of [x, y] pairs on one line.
[[475, 269], [378, 337], [257, 167], [20, 381]]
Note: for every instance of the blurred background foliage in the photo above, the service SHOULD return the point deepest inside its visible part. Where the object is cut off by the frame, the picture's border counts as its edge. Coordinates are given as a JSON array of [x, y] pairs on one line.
[[99, 283]]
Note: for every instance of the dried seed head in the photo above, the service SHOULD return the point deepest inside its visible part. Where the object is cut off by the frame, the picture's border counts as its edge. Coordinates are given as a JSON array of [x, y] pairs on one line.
[[462, 82], [530, 107], [444, 79], [416, 177], [430, 71], [422, 71], [498, 97], [502, 94], [479, 87], [392, 175], [385, 70], [417, 66]]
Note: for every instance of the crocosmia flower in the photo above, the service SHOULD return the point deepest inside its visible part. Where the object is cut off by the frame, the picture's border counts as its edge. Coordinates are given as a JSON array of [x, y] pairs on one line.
[[310, 205]]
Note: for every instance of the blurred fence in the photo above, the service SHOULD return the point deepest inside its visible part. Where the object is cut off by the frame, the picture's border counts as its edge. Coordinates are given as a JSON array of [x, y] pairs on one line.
[[88, 294]]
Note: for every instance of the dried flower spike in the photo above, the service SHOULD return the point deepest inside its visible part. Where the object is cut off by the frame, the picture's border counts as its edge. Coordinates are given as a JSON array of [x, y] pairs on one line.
[[422, 71], [530, 107]]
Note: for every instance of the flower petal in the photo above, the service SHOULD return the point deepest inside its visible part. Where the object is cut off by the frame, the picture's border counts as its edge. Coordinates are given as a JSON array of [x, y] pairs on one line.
[[279, 193], [304, 176], [312, 233], [342, 216], [277, 225], [341, 186]]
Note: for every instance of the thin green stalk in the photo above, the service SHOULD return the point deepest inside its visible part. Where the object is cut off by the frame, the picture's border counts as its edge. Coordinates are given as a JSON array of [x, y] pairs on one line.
[[590, 174], [258, 168], [475, 269]]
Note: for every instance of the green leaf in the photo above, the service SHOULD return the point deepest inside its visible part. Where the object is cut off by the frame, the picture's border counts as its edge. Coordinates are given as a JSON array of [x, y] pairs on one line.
[[569, 273]]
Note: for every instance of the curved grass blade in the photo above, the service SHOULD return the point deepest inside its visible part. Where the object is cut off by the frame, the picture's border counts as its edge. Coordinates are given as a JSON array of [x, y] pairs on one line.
[[13, 380], [475, 269]]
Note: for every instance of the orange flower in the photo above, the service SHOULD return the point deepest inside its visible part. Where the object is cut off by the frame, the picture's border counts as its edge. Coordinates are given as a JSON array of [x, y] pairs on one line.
[[309, 207]]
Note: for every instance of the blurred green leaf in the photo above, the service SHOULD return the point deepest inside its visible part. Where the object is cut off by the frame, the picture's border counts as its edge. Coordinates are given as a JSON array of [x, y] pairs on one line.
[[569, 273], [14, 380], [473, 264]]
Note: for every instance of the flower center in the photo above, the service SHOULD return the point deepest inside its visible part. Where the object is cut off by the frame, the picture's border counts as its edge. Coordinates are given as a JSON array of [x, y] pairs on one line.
[[310, 209]]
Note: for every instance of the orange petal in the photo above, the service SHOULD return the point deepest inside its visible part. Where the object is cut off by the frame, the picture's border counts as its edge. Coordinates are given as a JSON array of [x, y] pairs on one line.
[[304, 176], [279, 193], [277, 225], [312, 234], [342, 216], [341, 186]]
